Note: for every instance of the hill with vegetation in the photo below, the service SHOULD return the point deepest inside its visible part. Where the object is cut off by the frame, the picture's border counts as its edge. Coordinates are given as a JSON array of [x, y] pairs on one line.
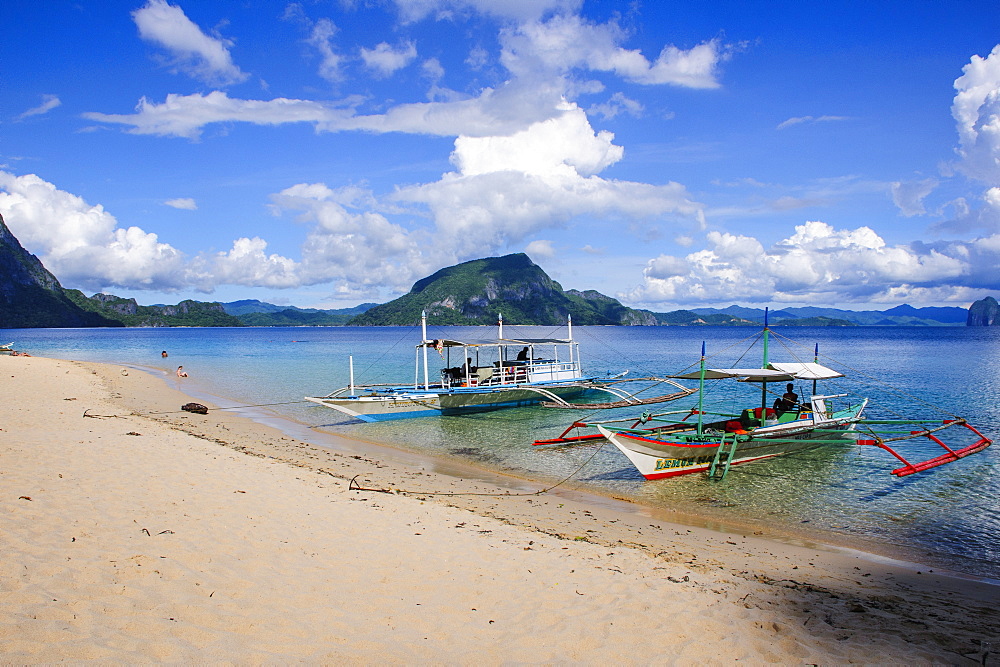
[[127, 312], [255, 313], [32, 297], [479, 291], [471, 293]]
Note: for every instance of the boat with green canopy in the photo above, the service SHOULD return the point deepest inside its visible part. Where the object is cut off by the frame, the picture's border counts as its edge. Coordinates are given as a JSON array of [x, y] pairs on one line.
[[705, 439]]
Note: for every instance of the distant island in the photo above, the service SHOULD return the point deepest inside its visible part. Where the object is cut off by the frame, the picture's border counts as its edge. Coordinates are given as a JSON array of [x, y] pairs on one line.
[[476, 292]]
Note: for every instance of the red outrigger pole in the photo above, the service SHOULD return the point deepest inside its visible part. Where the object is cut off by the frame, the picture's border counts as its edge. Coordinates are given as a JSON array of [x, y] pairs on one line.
[[949, 456]]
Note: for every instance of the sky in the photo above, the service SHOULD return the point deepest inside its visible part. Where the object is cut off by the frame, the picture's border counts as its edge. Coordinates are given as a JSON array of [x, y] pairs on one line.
[[325, 153]]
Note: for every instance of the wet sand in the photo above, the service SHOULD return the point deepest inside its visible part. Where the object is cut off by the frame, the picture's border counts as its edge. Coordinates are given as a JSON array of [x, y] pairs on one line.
[[133, 531]]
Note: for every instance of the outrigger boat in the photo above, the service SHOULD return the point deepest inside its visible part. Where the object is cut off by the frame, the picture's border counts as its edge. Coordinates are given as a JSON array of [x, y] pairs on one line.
[[492, 374], [672, 443]]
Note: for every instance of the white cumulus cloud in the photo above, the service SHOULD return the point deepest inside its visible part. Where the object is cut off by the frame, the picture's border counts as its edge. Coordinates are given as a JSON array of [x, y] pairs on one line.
[[199, 55], [817, 263], [564, 145], [909, 196], [84, 246], [976, 109], [321, 38], [568, 41], [81, 243], [386, 60], [247, 264], [540, 248]]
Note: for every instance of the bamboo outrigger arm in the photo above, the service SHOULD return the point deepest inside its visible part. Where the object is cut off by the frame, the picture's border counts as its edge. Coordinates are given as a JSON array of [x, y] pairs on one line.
[[950, 455]]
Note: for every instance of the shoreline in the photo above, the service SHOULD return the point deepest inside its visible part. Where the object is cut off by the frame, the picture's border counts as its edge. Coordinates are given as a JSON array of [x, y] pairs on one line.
[[687, 586], [902, 556]]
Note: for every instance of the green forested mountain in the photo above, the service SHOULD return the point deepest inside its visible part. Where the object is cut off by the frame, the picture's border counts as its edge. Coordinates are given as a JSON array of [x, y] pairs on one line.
[[477, 292], [128, 313], [31, 297], [474, 292]]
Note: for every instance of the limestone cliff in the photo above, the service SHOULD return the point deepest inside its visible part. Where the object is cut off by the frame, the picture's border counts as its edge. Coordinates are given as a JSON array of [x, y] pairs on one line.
[[985, 312]]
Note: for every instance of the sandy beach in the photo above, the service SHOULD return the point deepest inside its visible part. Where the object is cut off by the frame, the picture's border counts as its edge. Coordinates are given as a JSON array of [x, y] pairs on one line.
[[135, 532]]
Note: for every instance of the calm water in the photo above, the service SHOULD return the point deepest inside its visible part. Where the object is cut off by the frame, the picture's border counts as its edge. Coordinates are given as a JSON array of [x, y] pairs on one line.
[[948, 517]]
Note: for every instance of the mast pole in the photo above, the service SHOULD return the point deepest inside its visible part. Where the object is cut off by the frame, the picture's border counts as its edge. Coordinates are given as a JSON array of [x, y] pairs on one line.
[[423, 326], [816, 361], [569, 326], [503, 371], [767, 360], [350, 363], [701, 387]]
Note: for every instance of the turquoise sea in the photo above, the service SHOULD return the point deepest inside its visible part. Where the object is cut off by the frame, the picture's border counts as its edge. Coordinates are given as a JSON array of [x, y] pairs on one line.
[[948, 517]]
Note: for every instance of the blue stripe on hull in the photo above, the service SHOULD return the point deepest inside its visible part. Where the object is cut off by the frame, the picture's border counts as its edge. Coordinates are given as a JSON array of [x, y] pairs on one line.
[[464, 410], [393, 416]]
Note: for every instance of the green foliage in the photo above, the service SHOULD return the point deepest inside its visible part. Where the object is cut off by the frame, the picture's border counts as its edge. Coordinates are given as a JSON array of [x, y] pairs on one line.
[[477, 292], [36, 307], [126, 312]]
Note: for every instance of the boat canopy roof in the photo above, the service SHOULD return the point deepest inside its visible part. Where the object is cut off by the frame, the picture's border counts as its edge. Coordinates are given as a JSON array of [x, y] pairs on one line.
[[807, 371], [742, 374], [483, 342], [773, 373]]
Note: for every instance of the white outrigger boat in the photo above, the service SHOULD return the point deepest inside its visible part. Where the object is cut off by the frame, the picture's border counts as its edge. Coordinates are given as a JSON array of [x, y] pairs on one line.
[[672, 443], [490, 375]]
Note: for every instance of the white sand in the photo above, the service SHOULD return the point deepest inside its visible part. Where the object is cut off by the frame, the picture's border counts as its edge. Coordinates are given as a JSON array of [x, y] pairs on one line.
[[178, 538]]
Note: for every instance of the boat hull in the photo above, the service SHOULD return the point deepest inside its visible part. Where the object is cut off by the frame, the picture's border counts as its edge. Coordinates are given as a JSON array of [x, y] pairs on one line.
[[411, 404], [657, 458]]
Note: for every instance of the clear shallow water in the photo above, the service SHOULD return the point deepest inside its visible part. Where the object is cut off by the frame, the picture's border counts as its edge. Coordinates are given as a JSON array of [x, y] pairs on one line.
[[948, 517]]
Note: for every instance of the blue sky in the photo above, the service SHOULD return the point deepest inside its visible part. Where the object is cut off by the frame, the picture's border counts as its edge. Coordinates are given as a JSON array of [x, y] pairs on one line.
[[324, 153]]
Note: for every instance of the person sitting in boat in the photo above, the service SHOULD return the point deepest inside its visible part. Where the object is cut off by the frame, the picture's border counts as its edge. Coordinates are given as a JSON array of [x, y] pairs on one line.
[[789, 401], [523, 354]]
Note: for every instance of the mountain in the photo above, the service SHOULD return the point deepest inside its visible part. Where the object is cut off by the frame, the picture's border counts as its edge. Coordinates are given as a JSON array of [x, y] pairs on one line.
[[126, 312], [985, 312], [898, 315], [474, 292], [255, 313], [31, 297], [692, 318], [478, 291]]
